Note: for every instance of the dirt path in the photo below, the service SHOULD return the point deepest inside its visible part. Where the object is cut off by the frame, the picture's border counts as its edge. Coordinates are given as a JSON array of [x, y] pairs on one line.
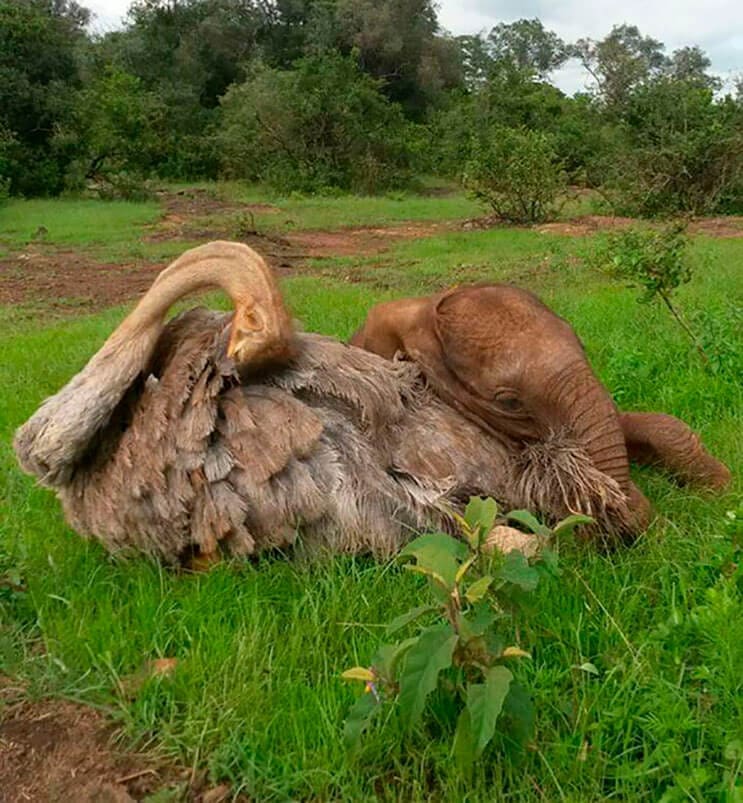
[[55, 750], [73, 281]]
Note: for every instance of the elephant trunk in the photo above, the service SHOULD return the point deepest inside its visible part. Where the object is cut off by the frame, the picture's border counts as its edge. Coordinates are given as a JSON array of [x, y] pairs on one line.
[[579, 400]]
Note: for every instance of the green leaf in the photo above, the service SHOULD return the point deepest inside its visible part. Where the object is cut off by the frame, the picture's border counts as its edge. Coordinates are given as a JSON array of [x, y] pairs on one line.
[[437, 554], [387, 656], [516, 570], [358, 673], [518, 712], [478, 589], [588, 668], [358, 718], [437, 581], [431, 653], [480, 514], [406, 618], [463, 747], [485, 702], [567, 525], [549, 561], [529, 521], [439, 541], [465, 567], [475, 623]]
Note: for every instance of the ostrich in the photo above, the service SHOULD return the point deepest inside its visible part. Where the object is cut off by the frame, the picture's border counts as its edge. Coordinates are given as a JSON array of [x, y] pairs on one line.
[[231, 433]]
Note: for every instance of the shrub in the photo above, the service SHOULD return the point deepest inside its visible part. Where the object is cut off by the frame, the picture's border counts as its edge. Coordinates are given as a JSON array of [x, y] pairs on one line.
[[516, 172], [324, 124], [679, 151], [462, 652]]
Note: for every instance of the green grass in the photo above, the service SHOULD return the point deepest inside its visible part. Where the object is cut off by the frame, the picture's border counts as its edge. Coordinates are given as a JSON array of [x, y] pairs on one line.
[[74, 222], [256, 696], [297, 211]]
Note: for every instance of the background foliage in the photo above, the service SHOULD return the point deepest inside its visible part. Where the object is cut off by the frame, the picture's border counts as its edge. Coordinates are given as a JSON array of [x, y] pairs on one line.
[[340, 94]]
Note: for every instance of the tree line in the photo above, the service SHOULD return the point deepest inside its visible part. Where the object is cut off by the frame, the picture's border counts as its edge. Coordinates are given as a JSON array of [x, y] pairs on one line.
[[362, 96]]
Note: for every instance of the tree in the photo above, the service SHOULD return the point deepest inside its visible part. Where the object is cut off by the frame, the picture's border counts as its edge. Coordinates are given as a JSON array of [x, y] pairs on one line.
[[526, 46], [517, 172], [690, 64], [396, 41], [620, 63], [38, 76], [117, 127]]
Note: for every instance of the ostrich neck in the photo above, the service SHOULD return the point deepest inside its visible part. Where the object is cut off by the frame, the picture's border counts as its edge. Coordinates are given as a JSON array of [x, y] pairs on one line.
[[54, 439]]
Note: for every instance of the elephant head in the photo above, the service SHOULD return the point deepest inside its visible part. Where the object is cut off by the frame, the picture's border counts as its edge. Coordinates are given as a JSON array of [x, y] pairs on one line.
[[509, 363]]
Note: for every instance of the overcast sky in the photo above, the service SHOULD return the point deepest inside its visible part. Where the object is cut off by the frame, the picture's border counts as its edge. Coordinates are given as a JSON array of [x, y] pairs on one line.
[[715, 25]]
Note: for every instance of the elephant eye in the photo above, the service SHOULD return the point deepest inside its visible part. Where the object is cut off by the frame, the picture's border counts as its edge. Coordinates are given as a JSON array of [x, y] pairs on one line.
[[509, 401]]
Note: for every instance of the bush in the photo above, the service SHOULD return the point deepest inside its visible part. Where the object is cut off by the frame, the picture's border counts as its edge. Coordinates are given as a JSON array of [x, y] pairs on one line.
[[324, 124], [516, 172], [679, 151]]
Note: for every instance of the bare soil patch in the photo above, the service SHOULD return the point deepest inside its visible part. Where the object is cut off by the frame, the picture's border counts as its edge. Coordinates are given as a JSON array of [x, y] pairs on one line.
[[194, 202], [182, 210], [586, 225], [727, 226], [71, 280], [361, 241], [55, 750]]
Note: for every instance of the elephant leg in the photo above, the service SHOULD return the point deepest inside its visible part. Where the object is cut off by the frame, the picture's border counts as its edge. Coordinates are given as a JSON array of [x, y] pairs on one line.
[[662, 440]]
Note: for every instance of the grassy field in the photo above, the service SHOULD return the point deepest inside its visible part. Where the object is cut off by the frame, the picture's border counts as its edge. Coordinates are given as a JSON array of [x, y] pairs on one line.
[[256, 696]]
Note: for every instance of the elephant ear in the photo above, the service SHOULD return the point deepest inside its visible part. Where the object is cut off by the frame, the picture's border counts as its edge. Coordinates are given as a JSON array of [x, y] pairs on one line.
[[473, 325]]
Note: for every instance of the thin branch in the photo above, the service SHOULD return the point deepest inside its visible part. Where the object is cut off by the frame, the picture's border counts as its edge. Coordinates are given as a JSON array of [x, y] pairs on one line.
[[685, 326]]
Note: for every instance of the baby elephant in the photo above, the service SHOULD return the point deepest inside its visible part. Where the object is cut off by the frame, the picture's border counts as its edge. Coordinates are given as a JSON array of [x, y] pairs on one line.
[[507, 362]]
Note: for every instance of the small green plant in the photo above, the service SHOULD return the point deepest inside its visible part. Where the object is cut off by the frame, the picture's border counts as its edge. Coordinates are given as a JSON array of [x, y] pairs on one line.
[[462, 651], [657, 261]]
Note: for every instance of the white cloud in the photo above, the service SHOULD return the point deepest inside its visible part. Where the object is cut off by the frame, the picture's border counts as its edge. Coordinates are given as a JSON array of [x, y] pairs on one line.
[[715, 25]]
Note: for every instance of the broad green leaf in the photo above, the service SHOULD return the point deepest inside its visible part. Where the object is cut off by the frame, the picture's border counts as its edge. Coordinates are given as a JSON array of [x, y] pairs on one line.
[[484, 703], [358, 718], [410, 616], [437, 554], [387, 656], [567, 525], [441, 541], [358, 673], [530, 521], [516, 570], [478, 589], [588, 668], [518, 713], [480, 514], [477, 621], [549, 561], [431, 653], [463, 747]]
